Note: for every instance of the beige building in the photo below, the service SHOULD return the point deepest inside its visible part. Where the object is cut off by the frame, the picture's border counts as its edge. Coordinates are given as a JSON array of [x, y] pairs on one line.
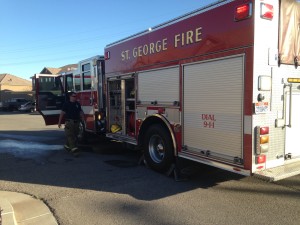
[[14, 87]]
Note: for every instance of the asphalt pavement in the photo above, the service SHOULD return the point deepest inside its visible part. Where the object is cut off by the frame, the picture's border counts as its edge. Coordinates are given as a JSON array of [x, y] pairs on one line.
[[20, 208], [106, 185]]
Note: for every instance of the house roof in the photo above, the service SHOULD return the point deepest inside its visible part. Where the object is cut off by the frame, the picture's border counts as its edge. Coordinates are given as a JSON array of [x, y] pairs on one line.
[[66, 68], [9, 79], [1, 77], [49, 70]]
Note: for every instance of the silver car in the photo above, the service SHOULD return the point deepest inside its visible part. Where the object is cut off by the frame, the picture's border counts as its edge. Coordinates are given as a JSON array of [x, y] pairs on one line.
[[27, 107]]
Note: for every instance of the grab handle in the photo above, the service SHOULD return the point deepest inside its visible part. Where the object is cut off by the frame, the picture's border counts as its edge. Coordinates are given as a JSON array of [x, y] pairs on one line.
[[290, 106]]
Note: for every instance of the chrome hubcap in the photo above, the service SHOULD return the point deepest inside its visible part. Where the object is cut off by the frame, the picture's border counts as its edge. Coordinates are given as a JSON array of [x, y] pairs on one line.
[[156, 148]]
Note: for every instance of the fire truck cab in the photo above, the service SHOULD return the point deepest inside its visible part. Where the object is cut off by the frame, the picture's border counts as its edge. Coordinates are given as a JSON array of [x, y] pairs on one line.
[[86, 81]]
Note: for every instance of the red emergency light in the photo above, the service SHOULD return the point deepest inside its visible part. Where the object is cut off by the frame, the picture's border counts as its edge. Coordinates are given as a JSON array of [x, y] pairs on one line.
[[266, 11], [107, 55], [243, 12]]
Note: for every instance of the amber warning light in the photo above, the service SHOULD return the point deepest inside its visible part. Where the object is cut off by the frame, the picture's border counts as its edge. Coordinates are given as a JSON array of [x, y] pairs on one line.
[[243, 12], [293, 80]]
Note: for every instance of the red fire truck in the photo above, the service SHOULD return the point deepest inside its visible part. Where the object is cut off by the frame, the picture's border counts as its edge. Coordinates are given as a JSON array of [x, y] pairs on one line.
[[220, 86]]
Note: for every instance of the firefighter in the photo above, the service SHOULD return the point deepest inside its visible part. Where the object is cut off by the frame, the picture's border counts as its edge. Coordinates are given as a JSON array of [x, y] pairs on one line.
[[72, 112]]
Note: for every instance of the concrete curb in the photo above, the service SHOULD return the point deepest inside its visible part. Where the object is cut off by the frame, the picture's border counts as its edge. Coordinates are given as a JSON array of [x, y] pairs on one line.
[[7, 213], [22, 209]]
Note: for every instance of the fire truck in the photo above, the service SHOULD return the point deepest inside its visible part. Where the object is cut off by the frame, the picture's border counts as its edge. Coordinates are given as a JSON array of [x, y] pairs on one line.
[[219, 86]]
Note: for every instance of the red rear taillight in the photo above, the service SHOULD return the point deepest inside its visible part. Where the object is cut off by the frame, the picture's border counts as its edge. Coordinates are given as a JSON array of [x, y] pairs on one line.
[[243, 12], [266, 11], [264, 130]]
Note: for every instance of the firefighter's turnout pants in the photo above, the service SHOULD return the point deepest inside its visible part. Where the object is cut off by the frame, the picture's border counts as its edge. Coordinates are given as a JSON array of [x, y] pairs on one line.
[[71, 131]]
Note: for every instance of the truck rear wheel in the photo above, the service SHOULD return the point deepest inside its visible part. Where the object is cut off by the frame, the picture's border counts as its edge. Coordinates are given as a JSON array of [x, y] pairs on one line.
[[158, 148]]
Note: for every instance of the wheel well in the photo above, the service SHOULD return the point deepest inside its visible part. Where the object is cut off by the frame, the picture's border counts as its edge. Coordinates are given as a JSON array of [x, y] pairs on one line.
[[149, 122]]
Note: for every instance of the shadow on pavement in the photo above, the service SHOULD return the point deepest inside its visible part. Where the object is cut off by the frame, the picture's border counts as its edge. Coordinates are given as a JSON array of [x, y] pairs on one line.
[[102, 166]]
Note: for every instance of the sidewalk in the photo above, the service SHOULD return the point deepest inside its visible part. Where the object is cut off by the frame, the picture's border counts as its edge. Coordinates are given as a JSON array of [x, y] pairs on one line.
[[22, 209]]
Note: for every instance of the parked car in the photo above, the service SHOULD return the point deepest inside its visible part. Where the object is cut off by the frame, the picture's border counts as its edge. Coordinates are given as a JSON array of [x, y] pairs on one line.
[[27, 107], [14, 104]]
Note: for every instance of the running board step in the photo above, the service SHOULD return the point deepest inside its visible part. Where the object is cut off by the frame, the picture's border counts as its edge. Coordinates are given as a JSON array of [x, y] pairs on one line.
[[122, 138], [279, 173]]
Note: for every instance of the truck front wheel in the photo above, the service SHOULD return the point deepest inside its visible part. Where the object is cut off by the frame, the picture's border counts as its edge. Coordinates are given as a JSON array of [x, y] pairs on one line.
[[81, 132], [158, 148]]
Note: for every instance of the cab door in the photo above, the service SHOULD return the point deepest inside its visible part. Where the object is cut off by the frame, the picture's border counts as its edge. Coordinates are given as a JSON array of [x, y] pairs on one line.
[[50, 96]]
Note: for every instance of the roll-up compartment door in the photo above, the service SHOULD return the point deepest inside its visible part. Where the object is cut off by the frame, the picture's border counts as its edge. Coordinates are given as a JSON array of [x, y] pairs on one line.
[[213, 108], [160, 86]]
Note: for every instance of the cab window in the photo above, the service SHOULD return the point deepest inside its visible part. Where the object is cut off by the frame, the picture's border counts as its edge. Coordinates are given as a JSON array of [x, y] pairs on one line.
[[51, 84], [69, 84], [86, 76], [77, 83]]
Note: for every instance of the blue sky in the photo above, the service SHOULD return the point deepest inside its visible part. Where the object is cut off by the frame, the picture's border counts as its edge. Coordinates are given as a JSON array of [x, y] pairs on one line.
[[53, 33]]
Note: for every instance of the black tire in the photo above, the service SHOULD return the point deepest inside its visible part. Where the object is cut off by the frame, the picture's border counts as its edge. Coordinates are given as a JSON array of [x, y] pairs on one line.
[[158, 148]]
